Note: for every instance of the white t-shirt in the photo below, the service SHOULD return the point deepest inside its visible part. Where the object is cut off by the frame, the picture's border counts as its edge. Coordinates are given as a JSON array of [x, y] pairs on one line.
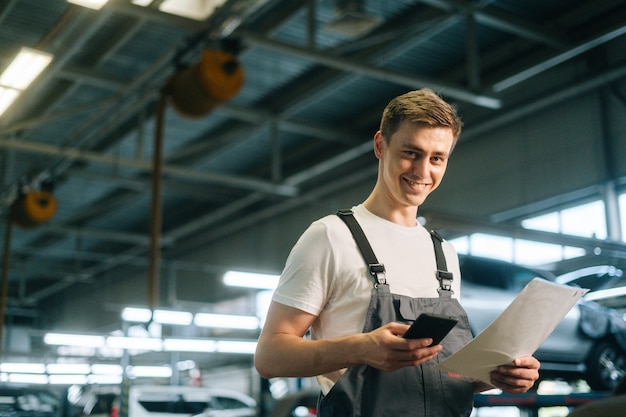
[[325, 274]]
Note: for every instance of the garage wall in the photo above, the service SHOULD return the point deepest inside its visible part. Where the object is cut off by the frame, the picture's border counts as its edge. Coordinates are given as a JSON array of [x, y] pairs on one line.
[[550, 153]]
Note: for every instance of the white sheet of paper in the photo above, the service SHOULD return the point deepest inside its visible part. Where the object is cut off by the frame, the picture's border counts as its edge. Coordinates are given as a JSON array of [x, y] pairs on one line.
[[521, 328]]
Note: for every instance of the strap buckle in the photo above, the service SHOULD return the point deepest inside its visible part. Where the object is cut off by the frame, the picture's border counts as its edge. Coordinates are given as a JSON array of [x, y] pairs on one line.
[[445, 279], [378, 271]]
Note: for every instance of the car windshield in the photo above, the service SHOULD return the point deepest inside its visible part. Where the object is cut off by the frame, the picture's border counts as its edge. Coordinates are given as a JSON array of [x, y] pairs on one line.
[[496, 274]]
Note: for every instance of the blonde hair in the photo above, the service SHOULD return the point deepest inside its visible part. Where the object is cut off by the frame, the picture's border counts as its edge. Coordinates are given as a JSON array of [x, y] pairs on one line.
[[423, 107]]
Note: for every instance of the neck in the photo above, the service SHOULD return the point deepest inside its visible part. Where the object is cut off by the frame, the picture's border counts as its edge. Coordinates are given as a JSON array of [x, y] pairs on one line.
[[404, 215]]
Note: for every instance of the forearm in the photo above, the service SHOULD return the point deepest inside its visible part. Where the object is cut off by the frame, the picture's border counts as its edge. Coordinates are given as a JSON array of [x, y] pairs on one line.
[[290, 356]]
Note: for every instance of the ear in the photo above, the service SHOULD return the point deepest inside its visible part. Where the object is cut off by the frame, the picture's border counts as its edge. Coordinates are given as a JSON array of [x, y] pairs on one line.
[[379, 144]]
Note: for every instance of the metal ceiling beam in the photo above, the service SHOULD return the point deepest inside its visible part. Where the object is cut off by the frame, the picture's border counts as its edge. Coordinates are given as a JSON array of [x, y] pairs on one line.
[[104, 235], [572, 52], [501, 21], [369, 70], [146, 166], [537, 104]]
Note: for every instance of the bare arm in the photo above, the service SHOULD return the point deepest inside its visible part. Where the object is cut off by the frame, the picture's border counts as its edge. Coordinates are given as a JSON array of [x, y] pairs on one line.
[[282, 351]]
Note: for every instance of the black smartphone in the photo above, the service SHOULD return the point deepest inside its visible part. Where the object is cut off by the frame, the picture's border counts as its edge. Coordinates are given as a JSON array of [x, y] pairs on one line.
[[431, 325]]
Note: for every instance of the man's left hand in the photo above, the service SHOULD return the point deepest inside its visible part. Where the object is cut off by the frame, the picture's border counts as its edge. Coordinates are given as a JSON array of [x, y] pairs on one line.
[[518, 377]]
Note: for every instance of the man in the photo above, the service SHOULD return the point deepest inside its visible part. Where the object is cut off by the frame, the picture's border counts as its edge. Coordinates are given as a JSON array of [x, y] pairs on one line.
[[356, 316]]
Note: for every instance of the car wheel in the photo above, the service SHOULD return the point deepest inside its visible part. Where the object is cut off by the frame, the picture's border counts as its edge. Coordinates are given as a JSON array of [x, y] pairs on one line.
[[606, 365]]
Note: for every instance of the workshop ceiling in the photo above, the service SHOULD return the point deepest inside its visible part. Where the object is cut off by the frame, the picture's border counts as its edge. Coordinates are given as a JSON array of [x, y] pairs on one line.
[[317, 74]]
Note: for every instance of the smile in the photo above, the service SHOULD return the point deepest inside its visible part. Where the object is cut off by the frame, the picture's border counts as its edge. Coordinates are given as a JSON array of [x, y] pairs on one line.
[[418, 185]]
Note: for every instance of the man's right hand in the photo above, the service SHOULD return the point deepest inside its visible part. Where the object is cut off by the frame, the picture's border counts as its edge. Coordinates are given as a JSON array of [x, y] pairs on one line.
[[385, 349]]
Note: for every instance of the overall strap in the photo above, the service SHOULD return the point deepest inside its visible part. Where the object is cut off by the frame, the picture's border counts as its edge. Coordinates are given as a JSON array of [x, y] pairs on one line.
[[376, 269], [444, 277]]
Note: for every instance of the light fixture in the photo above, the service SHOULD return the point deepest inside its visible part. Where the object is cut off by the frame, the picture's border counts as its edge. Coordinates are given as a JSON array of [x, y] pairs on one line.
[[104, 379], [23, 368], [189, 345], [150, 371], [136, 315], [91, 4], [143, 3], [226, 321], [67, 379], [192, 9], [28, 379], [68, 368], [7, 97], [18, 75], [73, 340], [235, 346], [26, 66], [172, 317], [134, 343], [144, 315], [250, 280], [106, 369]]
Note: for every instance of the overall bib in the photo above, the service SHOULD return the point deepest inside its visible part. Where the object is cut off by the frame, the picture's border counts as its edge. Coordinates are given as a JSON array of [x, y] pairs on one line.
[[424, 391]]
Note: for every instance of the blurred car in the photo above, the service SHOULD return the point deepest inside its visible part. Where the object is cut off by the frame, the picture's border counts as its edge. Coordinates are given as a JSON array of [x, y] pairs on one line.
[[182, 401], [102, 404], [589, 343], [299, 404], [606, 282], [28, 402], [595, 278]]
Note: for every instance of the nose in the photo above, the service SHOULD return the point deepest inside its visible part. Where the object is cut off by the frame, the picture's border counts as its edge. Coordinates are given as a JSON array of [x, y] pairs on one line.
[[421, 167]]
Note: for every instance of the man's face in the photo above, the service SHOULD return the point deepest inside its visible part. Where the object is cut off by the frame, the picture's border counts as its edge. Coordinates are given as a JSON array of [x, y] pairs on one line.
[[413, 163]]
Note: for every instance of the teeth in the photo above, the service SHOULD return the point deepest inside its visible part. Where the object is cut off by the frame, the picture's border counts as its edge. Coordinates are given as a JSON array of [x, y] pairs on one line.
[[416, 184]]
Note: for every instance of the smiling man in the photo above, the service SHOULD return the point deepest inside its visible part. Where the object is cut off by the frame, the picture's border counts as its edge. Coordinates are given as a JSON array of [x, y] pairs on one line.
[[359, 278]]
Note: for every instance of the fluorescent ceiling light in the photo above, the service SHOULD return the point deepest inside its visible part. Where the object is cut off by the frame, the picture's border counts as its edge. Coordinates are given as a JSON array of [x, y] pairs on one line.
[[189, 345], [23, 368], [104, 379], [28, 379], [143, 3], [7, 97], [172, 317], [26, 66], [251, 280], [150, 371], [192, 9], [235, 346], [67, 379], [136, 343], [137, 315], [68, 368], [106, 369], [65, 350], [226, 321], [92, 4], [73, 340]]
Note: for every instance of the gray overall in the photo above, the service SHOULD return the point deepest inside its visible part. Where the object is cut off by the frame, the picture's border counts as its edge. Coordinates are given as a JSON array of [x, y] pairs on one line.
[[423, 390]]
